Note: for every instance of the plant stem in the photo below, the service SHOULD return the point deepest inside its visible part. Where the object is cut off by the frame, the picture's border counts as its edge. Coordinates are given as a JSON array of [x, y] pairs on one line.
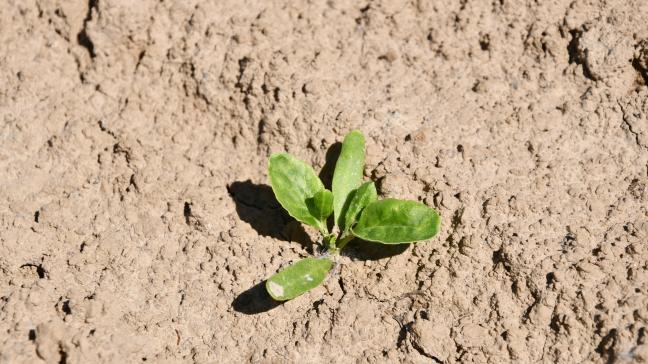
[[329, 241], [324, 229], [343, 242]]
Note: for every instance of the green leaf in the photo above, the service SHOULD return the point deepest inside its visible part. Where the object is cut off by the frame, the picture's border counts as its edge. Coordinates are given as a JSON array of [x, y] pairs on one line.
[[298, 278], [348, 172], [358, 200], [392, 221], [321, 205], [293, 182]]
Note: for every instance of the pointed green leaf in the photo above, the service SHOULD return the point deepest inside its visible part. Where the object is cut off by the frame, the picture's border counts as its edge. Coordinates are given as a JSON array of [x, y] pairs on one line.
[[392, 221], [321, 205], [293, 182], [348, 171], [298, 278], [358, 200]]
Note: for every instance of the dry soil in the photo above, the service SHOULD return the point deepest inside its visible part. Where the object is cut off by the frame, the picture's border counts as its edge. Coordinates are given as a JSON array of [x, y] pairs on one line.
[[136, 222]]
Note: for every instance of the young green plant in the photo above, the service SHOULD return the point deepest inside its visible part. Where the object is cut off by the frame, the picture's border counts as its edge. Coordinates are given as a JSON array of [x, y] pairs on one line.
[[356, 210]]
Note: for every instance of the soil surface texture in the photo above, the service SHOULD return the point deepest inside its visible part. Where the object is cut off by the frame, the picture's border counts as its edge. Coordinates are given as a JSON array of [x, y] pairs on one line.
[[137, 223]]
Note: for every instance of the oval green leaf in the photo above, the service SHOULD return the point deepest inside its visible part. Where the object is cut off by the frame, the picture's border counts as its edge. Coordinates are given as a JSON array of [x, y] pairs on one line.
[[321, 205], [293, 182], [358, 200], [298, 278], [392, 221], [348, 171]]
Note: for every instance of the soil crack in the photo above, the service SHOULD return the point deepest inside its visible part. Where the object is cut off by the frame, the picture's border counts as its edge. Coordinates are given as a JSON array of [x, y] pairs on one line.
[[82, 38], [628, 125], [424, 353]]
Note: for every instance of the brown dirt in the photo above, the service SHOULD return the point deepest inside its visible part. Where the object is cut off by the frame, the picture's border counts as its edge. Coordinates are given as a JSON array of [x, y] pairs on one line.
[[136, 223]]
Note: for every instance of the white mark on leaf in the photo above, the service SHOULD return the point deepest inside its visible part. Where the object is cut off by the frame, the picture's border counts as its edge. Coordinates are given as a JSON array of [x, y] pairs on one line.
[[276, 289], [308, 277]]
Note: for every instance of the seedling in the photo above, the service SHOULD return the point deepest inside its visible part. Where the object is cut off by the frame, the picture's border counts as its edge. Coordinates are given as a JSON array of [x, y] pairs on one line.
[[356, 210]]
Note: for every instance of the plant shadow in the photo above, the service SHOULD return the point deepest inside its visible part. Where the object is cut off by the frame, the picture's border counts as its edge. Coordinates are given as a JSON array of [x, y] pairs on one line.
[[332, 155], [254, 301], [367, 250], [257, 205]]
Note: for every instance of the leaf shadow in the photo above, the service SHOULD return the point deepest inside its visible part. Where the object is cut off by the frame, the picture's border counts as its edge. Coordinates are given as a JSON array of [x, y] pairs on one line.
[[332, 155], [255, 300], [257, 205], [367, 250]]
